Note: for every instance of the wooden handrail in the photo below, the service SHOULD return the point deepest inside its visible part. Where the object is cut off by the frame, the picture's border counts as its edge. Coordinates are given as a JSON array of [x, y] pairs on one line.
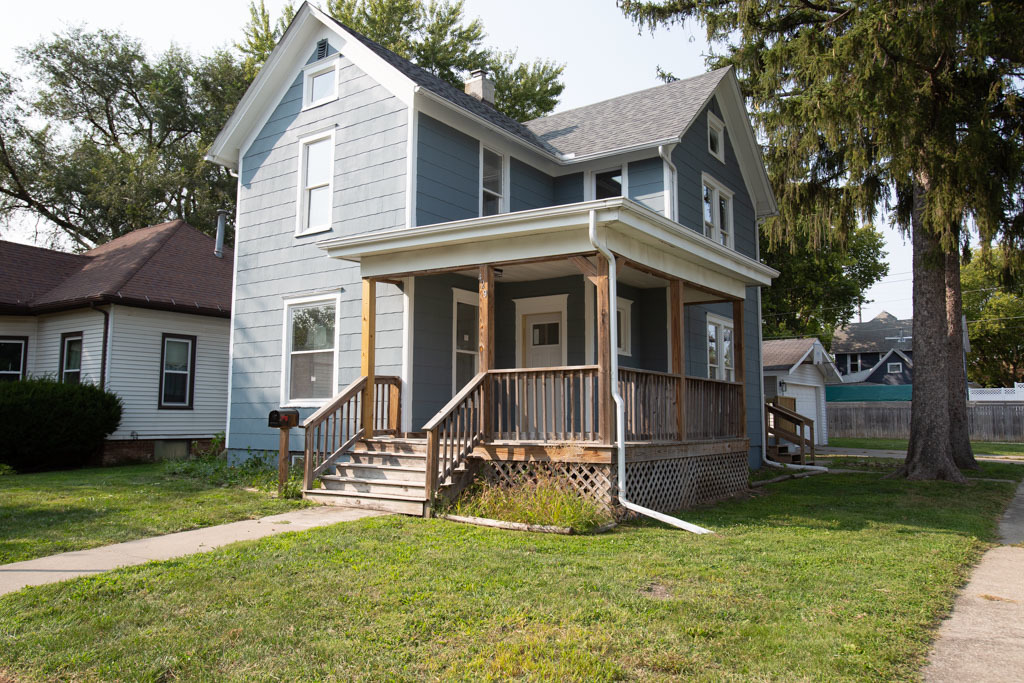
[[345, 395], [454, 432], [456, 400], [801, 422], [557, 368], [332, 430]]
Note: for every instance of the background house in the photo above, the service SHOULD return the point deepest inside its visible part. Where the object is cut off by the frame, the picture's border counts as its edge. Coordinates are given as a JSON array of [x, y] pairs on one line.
[[145, 316], [800, 369], [879, 351]]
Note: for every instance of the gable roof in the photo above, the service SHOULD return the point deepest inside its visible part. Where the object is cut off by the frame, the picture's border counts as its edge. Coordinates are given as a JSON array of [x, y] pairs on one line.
[[863, 375], [883, 332], [786, 355], [169, 266], [647, 117]]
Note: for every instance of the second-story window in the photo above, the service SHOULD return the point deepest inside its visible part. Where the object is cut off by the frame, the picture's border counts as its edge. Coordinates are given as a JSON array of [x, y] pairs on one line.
[[716, 203], [716, 137], [492, 182], [316, 184]]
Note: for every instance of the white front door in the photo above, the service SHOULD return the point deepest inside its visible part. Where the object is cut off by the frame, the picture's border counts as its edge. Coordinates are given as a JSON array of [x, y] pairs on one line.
[[543, 337]]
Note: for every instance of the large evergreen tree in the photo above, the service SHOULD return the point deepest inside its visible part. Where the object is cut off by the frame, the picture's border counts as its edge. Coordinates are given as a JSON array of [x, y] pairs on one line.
[[433, 34], [913, 107]]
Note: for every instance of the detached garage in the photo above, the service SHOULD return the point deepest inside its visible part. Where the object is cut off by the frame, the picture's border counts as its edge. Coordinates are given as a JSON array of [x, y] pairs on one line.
[[795, 374]]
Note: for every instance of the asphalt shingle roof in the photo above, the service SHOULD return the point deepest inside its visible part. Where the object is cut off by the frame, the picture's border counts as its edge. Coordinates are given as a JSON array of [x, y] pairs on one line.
[[874, 335], [647, 116], [170, 265], [782, 354]]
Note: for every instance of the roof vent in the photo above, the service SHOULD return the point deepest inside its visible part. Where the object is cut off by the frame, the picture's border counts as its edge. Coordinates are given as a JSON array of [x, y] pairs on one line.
[[321, 48], [480, 86]]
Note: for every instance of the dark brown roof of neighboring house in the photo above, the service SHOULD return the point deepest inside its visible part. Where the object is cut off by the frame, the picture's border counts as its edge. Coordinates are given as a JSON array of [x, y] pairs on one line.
[[783, 354], [169, 266], [883, 332]]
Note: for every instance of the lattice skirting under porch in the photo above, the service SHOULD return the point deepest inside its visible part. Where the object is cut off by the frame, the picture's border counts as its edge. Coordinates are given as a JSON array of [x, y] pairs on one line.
[[666, 484]]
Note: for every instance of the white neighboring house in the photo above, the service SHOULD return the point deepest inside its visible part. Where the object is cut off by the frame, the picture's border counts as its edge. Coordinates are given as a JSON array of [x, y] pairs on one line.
[[146, 316], [800, 368]]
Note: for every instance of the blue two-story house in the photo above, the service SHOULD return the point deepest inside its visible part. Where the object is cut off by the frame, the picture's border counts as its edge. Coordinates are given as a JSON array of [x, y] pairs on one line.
[[439, 288]]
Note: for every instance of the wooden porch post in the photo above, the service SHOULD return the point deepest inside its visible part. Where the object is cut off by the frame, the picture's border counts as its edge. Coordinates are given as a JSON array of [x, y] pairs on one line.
[[604, 354], [678, 330], [485, 340], [368, 362], [739, 362]]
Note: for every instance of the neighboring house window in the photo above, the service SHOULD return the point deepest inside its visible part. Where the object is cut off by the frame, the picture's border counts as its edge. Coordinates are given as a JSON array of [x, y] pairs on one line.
[[492, 182], [624, 329], [71, 358], [320, 82], [13, 355], [316, 183], [720, 361], [853, 363], [311, 349], [716, 137], [894, 368], [177, 371], [716, 203]]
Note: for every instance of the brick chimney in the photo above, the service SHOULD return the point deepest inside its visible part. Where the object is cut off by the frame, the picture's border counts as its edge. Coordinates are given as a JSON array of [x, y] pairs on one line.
[[481, 86]]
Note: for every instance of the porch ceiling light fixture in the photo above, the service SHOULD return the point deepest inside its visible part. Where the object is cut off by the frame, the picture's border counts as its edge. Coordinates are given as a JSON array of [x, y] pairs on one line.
[[620, 408]]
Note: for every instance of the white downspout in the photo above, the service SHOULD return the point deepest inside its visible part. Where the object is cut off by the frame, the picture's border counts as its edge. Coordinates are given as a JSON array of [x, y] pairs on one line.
[[620, 417]]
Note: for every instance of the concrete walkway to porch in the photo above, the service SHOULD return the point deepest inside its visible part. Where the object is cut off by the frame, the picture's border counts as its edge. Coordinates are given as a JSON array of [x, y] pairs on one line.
[[983, 639], [18, 575]]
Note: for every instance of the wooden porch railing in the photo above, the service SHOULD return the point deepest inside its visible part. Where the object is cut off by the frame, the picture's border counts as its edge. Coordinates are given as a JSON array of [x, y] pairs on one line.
[[714, 409], [791, 426], [650, 404], [332, 430], [387, 405], [454, 432], [545, 404]]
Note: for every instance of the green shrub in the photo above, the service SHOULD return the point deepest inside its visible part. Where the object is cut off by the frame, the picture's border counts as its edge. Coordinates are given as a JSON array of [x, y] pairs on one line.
[[54, 426], [544, 499]]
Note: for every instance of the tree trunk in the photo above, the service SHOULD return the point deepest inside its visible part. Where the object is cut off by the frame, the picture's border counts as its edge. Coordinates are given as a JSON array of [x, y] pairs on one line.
[[929, 455], [959, 431]]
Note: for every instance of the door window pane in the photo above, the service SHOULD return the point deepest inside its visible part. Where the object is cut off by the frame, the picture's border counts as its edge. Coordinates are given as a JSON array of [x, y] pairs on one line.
[[465, 369], [545, 334], [466, 327]]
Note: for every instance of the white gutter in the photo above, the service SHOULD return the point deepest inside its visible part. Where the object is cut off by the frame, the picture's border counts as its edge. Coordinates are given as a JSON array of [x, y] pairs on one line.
[[671, 183], [620, 416]]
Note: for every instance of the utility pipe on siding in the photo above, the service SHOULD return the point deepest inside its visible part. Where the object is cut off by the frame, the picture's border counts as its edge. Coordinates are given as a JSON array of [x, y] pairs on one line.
[[620, 417]]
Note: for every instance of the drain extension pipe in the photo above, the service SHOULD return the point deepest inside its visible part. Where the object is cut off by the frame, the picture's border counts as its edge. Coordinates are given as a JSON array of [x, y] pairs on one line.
[[620, 419]]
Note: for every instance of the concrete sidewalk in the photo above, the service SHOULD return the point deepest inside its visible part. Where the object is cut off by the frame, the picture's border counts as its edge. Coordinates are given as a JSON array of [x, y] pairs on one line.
[[18, 575], [983, 639]]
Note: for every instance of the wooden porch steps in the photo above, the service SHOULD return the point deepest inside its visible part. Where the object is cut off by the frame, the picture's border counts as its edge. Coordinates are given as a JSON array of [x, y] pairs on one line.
[[381, 473]]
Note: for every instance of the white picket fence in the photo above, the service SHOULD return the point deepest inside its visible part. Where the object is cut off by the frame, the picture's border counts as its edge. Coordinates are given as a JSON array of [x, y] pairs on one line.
[[998, 393]]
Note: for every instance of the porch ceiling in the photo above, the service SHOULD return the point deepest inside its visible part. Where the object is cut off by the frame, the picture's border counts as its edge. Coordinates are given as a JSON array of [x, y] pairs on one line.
[[509, 240]]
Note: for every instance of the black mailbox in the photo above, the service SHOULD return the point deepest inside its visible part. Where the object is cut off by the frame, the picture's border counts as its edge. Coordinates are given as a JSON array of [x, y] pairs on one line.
[[283, 418]]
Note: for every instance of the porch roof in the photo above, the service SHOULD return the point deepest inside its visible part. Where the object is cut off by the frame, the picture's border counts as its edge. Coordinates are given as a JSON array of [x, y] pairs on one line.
[[624, 226]]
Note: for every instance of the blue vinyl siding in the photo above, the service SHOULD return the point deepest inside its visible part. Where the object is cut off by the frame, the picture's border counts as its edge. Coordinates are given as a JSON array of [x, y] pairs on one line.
[[568, 189], [505, 316], [647, 183], [447, 173], [528, 187]]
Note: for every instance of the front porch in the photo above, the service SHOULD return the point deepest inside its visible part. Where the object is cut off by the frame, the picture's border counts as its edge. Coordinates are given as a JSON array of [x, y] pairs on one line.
[[540, 408]]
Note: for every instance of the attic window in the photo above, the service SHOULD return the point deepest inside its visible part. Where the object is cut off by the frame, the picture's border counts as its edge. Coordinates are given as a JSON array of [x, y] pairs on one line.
[[893, 368], [321, 48], [716, 137], [320, 82]]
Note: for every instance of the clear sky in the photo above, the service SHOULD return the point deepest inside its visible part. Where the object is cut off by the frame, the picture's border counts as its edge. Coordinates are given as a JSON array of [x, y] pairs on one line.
[[605, 56]]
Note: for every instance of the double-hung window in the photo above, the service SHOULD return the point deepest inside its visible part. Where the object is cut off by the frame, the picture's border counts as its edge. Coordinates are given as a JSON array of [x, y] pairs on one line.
[[716, 202], [853, 363], [13, 353], [71, 358], [492, 182], [177, 371], [720, 348], [310, 349], [316, 183]]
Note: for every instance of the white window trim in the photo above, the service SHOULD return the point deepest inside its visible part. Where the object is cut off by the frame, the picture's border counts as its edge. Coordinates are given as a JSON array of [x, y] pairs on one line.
[[723, 323], [555, 303], [624, 307], [64, 356], [310, 71], [23, 356], [590, 181], [716, 124], [286, 345], [300, 198], [165, 371], [503, 200], [719, 190], [889, 368], [850, 360], [463, 296]]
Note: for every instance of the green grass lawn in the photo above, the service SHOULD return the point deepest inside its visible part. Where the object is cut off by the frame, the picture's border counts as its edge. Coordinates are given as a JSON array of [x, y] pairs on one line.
[[838, 577], [989, 470], [980, 447], [53, 512]]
